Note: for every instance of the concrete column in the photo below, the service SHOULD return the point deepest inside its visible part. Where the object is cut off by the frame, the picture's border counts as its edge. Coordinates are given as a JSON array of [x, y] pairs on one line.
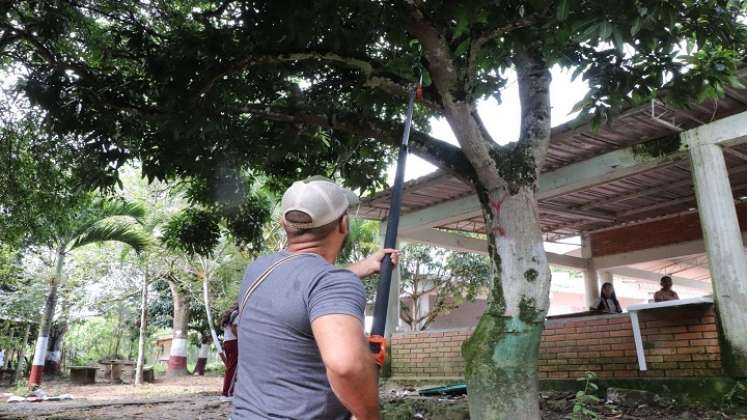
[[591, 282], [723, 243], [392, 317], [606, 277]]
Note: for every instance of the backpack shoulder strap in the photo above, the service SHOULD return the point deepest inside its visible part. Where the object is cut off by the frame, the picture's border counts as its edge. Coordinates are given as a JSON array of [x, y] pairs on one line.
[[261, 278]]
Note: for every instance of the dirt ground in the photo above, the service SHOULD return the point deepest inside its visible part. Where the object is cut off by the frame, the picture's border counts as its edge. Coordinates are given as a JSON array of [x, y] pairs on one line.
[[191, 397], [198, 398]]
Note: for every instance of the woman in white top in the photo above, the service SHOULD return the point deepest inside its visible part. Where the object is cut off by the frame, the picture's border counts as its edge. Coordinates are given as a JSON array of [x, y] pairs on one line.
[[230, 346], [607, 301]]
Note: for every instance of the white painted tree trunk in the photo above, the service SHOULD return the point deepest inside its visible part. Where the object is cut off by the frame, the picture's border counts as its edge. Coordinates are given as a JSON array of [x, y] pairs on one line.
[[177, 365], [501, 355], [45, 324]]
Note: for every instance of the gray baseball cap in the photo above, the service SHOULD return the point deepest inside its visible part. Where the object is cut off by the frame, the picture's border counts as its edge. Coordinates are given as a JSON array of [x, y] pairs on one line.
[[318, 197]]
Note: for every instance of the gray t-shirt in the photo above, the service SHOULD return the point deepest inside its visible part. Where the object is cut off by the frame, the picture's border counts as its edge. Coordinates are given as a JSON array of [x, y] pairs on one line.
[[280, 370]]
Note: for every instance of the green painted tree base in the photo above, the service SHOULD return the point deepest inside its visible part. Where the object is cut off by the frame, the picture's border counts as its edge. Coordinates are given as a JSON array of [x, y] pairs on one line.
[[500, 361]]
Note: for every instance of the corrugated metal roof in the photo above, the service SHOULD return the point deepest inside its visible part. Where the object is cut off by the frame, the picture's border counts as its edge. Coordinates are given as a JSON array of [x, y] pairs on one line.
[[660, 192]]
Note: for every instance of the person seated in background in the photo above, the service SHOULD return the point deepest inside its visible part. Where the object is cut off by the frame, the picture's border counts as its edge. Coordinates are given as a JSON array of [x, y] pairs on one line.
[[666, 292], [607, 301]]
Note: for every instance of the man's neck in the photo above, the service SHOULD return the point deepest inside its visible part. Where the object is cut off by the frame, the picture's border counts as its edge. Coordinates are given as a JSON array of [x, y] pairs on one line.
[[319, 248]]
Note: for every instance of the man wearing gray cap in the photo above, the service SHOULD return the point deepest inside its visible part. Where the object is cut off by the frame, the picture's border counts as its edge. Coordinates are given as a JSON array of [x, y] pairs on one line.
[[302, 350]]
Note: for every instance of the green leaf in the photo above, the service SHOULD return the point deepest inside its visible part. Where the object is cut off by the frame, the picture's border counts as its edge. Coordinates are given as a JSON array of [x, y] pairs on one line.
[[617, 38], [462, 23], [636, 27], [462, 48], [563, 9], [605, 30]]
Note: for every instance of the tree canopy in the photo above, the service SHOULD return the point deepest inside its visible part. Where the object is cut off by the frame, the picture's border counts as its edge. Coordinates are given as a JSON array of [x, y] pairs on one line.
[[200, 89]]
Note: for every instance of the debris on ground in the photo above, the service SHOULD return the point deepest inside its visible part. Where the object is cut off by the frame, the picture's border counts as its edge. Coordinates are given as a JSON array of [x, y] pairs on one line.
[[17, 399]]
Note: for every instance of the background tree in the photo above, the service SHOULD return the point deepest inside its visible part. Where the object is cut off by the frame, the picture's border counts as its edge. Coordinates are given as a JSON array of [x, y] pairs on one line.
[[92, 221], [436, 281], [220, 83]]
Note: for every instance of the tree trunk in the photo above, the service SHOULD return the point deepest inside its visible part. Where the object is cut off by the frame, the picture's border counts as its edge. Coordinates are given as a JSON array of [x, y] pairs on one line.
[[117, 335], [208, 313], [53, 360], [45, 324], [9, 354], [178, 355], [501, 355], [21, 354], [202, 355], [143, 329]]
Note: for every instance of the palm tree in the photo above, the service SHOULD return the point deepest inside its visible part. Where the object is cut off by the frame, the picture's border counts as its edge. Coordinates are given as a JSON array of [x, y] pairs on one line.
[[98, 220]]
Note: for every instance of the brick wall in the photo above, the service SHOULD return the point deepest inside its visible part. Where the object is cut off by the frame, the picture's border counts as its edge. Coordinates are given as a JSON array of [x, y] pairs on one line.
[[682, 228], [679, 342]]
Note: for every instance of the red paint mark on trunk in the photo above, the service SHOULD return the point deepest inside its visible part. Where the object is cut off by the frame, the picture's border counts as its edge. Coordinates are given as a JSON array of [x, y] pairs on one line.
[[35, 377], [177, 362], [498, 230]]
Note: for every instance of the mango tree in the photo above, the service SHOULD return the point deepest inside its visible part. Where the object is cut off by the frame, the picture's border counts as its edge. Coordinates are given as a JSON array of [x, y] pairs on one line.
[[205, 89]]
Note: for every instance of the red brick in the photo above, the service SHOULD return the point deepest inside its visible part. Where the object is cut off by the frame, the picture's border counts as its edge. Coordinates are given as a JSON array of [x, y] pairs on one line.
[[658, 337], [672, 330], [708, 356], [622, 346], [625, 373], [704, 342], [702, 327], [670, 350], [713, 349], [690, 350], [621, 333], [680, 372], [678, 358], [558, 375], [710, 334], [688, 336], [665, 365]]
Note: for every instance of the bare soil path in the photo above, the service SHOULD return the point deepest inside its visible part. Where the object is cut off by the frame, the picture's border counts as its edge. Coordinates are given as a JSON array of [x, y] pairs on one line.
[[197, 397]]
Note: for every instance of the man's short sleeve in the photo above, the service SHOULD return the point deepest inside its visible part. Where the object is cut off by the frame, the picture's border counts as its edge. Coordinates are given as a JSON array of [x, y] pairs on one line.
[[337, 292]]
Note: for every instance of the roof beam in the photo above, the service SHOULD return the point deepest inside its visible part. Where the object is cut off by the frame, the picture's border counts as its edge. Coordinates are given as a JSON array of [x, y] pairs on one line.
[[582, 175], [463, 243], [727, 131], [682, 249], [571, 178], [656, 277], [596, 216]]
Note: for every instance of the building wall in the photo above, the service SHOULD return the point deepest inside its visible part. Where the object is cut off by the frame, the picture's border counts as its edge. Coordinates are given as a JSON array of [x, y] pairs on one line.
[[653, 234], [679, 342]]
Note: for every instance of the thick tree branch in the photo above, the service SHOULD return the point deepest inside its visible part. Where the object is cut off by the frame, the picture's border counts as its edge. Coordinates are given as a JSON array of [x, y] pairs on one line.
[[440, 153], [435, 50], [534, 92], [375, 74]]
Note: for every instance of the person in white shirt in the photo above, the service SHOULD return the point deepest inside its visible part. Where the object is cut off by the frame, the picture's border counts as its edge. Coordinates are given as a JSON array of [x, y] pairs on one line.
[[230, 346]]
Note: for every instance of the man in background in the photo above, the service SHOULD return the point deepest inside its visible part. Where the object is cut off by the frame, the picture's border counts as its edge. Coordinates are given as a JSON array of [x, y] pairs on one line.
[[666, 292]]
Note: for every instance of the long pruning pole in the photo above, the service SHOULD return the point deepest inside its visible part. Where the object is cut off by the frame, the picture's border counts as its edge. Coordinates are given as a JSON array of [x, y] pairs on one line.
[[390, 240]]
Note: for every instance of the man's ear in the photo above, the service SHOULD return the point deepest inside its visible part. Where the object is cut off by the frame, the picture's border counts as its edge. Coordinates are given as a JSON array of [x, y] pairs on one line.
[[343, 225]]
